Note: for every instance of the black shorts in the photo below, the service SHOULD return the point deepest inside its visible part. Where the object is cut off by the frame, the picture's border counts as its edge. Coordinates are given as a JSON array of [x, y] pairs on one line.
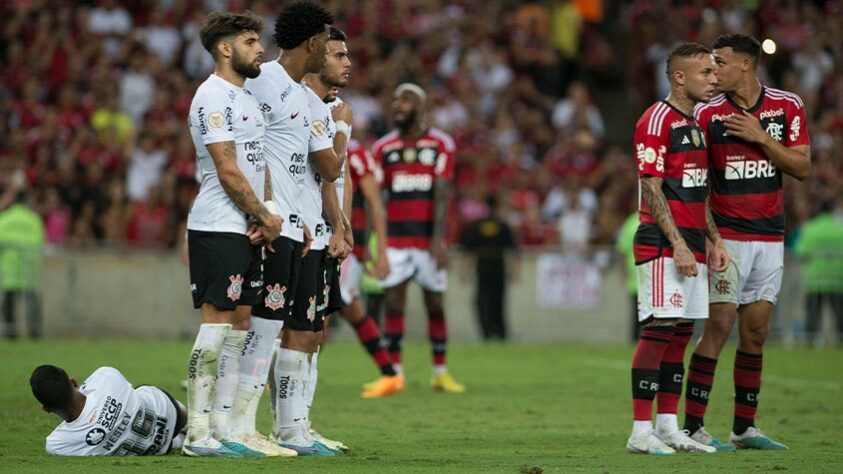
[[303, 316], [330, 295], [225, 269], [280, 279]]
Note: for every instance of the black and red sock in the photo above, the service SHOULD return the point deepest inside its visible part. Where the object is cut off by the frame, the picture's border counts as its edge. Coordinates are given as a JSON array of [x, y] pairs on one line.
[[700, 378], [437, 330], [645, 369], [369, 335], [747, 386], [672, 369], [394, 331]]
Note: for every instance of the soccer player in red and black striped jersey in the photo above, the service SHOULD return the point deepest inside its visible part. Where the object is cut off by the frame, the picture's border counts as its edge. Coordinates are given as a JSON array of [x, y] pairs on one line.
[[755, 133], [418, 168], [670, 248]]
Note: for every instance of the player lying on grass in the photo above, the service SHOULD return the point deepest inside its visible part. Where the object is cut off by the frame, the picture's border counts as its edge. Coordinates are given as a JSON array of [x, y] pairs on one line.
[[106, 416]]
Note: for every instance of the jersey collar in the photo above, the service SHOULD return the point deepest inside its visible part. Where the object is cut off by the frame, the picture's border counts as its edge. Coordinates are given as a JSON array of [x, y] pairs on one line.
[[757, 104]]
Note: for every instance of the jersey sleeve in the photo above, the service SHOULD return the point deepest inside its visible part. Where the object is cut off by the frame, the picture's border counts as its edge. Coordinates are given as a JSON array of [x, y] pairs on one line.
[[211, 112], [701, 115], [650, 148], [359, 163], [322, 129], [797, 127], [377, 163], [445, 161]]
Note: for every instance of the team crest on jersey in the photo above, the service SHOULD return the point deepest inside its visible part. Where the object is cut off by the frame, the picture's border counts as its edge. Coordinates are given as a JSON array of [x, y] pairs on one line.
[[410, 155], [235, 289], [95, 436], [216, 119], [695, 137], [318, 128], [775, 130], [275, 297], [311, 310]]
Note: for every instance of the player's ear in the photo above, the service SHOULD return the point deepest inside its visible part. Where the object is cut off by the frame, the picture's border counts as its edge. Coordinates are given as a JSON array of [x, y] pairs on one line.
[[224, 49]]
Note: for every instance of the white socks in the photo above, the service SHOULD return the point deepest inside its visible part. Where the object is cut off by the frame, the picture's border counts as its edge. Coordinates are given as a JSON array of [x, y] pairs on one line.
[[252, 374], [666, 423], [640, 427], [439, 370], [201, 379], [232, 349], [291, 373], [310, 387]]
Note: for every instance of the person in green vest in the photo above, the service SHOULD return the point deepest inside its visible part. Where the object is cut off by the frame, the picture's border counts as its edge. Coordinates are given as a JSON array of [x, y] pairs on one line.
[[624, 247], [21, 244], [820, 244]]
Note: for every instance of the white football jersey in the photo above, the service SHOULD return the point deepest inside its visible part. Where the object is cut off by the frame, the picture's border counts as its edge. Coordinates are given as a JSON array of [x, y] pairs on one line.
[[287, 115], [322, 133], [223, 112], [340, 182], [118, 420]]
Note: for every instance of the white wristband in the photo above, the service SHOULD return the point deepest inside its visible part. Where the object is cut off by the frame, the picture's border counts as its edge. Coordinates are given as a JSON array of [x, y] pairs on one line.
[[343, 128], [271, 207]]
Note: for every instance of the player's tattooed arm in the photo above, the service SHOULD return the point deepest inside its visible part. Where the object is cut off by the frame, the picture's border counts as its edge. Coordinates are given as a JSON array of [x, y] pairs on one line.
[[651, 188], [239, 190], [710, 227]]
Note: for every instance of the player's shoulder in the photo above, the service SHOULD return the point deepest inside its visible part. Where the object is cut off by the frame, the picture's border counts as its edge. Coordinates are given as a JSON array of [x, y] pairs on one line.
[[779, 95], [652, 120], [214, 90], [441, 137], [708, 107], [390, 137]]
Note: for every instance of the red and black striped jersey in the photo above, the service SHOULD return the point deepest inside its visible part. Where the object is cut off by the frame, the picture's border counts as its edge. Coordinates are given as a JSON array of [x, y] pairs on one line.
[[410, 170], [361, 164], [670, 145], [746, 193]]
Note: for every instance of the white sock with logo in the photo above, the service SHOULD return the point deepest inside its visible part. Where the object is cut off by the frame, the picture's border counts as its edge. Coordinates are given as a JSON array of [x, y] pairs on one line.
[[291, 385], [312, 376], [201, 380], [252, 374], [232, 349], [273, 388]]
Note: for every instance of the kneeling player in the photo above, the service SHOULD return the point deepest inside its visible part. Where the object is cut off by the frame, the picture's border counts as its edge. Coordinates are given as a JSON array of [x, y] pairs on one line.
[[106, 416], [670, 249]]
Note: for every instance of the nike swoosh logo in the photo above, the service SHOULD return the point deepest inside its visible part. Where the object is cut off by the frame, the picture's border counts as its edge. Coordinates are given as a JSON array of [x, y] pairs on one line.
[[293, 116], [226, 407]]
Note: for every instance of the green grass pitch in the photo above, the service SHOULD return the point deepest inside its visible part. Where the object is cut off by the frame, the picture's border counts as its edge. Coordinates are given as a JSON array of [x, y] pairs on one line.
[[529, 408]]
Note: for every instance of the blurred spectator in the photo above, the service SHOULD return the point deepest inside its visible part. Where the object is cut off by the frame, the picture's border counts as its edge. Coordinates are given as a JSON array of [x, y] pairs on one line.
[[137, 87], [145, 167], [21, 244], [576, 112]]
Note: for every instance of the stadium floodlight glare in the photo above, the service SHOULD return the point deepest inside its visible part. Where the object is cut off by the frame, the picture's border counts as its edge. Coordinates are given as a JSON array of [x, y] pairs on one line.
[[769, 46]]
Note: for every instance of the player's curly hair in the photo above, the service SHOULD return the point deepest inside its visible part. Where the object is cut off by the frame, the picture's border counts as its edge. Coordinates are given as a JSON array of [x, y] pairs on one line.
[[299, 21], [739, 43], [684, 50], [221, 25], [337, 34], [51, 387]]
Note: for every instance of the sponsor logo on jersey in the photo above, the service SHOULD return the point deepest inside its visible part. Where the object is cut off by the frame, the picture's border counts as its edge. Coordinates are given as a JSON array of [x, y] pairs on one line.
[[95, 436], [110, 413], [286, 92], [318, 128], [693, 177], [721, 117], [194, 360], [275, 297], [795, 126], [254, 153], [235, 289], [768, 114], [297, 164], [749, 169], [649, 156], [283, 386], [200, 115], [402, 183], [393, 157], [679, 123]]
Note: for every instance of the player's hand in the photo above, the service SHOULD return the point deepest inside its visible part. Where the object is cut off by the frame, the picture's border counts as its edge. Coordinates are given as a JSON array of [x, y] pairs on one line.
[[270, 227], [718, 257], [380, 265], [308, 240], [335, 244], [746, 127], [342, 112], [346, 250], [439, 250], [686, 264]]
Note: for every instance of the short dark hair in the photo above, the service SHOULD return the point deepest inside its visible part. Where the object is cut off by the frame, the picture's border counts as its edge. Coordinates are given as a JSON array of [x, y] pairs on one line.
[[337, 34], [51, 387], [299, 21], [742, 44], [684, 50], [220, 25]]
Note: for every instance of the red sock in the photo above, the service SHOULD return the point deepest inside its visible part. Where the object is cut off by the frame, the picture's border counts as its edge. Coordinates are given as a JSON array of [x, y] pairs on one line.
[[394, 329], [369, 335], [747, 386], [672, 370], [645, 369]]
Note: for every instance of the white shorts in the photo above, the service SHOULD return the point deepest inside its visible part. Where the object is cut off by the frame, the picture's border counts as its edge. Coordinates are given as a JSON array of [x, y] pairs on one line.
[[417, 264], [350, 272], [663, 293], [754, 274]]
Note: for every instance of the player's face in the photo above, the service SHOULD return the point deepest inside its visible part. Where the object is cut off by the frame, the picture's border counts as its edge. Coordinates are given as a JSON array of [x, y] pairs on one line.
[[337, 66], [318, 51], [405, 108], [247, 55], [730, 67], [701, 78]]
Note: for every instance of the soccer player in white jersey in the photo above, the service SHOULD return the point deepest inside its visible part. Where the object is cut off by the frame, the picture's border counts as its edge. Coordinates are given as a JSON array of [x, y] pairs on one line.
[[227, 128], [106, 416], [301, 31]]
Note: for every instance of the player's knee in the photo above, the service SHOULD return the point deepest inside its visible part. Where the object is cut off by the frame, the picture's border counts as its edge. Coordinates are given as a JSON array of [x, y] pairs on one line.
[[754, 335], [718, 328]]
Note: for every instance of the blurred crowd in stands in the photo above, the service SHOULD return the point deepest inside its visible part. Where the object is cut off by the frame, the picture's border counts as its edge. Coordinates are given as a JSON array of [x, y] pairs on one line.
[[541, 98]]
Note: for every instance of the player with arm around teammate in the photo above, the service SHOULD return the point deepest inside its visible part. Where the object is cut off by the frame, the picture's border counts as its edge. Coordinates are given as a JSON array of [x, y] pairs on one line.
[[670, 249]]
